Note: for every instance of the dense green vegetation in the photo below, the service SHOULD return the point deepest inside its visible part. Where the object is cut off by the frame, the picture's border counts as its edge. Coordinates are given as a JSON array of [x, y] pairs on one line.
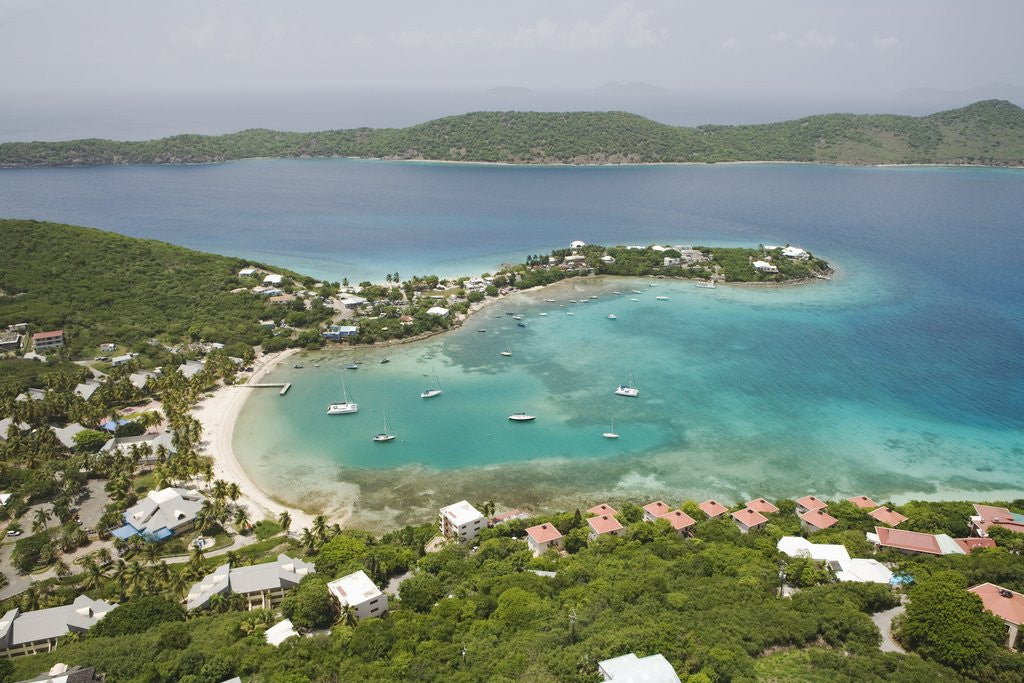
[[710, 604], [103, 287], [987, 132]]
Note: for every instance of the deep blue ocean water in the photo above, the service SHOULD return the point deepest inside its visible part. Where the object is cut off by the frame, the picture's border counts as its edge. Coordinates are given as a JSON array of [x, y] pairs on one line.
[[903, 376]]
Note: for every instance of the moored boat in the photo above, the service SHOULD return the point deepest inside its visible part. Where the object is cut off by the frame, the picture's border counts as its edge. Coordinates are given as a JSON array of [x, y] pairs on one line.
[[628, 389], [522, 417], [346, 406]]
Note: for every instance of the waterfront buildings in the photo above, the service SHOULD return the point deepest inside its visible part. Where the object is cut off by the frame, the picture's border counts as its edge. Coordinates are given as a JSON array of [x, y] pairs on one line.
[[542, 538], [358, 591], [27, 633], [262, 585], [461, 521], [161, 514]]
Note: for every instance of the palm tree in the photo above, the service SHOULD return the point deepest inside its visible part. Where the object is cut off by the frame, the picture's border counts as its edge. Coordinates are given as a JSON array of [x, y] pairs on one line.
[[309, 540], [61, 569], [242, 518], [32, 598], [349, 616], [94, 573], [233, 491], [220, 489], [285, 520], [320, 527], [40, 519], [103, 556]]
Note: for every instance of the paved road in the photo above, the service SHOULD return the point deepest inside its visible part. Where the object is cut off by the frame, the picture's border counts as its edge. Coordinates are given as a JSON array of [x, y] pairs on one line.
[[883, 620]]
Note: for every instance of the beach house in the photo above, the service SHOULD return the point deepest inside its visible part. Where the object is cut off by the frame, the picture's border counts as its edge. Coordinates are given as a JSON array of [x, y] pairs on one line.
[[602, 509], [161, 514], [795, 253], [680, 521], [913, 542], [273, 279], [262, 585], [653, 511], [836, 558], [988, 516], [763, 506], [747, 520], [461, 521], [712, 508], [542, 538], [28, 633], [816, 520], [1006, 604], [809, 504], [886, 515], [863, 502], [765, 267], [603, 524], [358, 591]]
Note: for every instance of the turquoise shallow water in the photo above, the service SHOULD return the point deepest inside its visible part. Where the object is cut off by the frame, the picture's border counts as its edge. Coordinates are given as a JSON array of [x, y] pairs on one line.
[[901, 377]]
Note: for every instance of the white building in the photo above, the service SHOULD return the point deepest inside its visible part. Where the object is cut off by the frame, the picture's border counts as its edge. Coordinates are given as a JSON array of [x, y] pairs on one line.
[[280, 632], [26, 633], [795, 253], [247, 272], [161, 514], [765, 267], [273, 279], [607, 258], [632, 669], [87, 388], [191, 368], [461, 521], [577, 244], [836, 558], [437, 310], [121, 360], [358, 591]]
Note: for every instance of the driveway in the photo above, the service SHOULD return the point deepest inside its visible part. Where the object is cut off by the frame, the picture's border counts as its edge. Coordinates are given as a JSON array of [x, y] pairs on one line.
[[883, 620]]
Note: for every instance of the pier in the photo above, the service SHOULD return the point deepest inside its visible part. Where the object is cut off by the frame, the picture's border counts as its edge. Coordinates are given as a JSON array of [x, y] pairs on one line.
[[284, 386]]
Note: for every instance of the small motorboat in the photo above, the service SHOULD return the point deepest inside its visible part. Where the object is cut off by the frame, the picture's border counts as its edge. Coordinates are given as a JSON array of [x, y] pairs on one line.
[[550, 301], [637, 291], [661, 298], [297, 366], [385, 360], [612, 316], [352, 366], [617, 293], [521, 324]]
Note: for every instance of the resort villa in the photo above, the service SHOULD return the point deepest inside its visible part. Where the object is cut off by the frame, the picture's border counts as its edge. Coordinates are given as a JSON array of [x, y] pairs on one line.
[[28, 633], [809, 504], [632, 669], [765, 267], [47, 341], [748, 519], [191, 368], [602, 509], [912, 542], [1006, 604], [887, 515], [837, 559], [461, 521], [654, 510], [680, 521], [763, 506], [262, 585], [357, 591], [816, 520], [161, 514], [863, 502], [542, 538], [987, 516], [603, 524], [712, 508]]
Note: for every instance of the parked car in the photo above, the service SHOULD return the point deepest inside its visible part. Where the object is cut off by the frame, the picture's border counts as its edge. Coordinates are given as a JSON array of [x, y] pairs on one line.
[[14, 532]]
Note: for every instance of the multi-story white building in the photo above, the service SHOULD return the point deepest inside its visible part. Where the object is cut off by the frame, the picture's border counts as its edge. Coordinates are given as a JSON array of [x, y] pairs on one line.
[[360, 592], [461, 521], [263, 585], [27, 633]]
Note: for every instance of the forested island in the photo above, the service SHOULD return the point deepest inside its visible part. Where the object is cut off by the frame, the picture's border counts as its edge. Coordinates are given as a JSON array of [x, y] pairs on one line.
[[989, 132]]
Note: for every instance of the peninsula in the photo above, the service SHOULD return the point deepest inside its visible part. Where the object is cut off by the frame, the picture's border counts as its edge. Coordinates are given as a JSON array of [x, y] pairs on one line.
[[989, 132]]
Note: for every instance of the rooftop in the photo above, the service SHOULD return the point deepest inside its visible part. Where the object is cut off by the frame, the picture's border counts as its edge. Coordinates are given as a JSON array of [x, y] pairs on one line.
[[19, 628], [1006, 604], [712, 508], [819, 519], [988, 515], [543, 533], [167, 508], [811, 503], [678, 519], [602, 509], [797, 546], [632, 669], [657, 508], [932, 544], [886, 515], [354, 589], [48, 335], [863, 502], [749, 517], [761, 505], [461, 513], [603, 524], [280, 632]]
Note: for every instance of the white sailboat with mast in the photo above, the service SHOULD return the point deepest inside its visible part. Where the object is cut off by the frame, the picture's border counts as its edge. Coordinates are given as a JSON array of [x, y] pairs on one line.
[[386, 435], [346, 406], [610, 434], [434, 390], [628, 389]]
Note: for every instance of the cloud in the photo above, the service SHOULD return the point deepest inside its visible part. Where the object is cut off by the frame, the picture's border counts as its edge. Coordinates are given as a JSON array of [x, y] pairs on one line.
[[885, 43], [729, 44], [624, 27], [815, 38], [780, 36]]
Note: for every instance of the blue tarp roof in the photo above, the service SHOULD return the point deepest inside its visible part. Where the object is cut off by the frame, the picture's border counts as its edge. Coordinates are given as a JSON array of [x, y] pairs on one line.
[[125, 532], [112, 425]]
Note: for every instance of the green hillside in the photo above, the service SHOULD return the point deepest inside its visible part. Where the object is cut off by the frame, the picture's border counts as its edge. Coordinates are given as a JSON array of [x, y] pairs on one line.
[[989, 132], [104, 287]]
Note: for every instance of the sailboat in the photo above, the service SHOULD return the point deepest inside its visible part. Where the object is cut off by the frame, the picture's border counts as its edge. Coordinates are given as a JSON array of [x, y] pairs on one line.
[[628, 389], [346, 406], [386, 435], [611, 433], [434, 390], [507, 351], [522, 417]]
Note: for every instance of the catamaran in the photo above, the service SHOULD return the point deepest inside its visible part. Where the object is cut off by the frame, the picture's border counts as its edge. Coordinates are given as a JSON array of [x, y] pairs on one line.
[[386, 435], [346, 406], [434, 390], [522, 417], [611, 433], [628, 389]]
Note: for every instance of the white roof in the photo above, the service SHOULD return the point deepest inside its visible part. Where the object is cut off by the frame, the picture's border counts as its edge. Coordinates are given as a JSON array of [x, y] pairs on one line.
[[273, 279], [632, 669], [354, 589], [576, 244], [17, 628], [191, 368], [4, 497], [795, 546], [762, 264], [87, 388], [793, 251], [864, 570], [126, 358], [168, 508], [280, 632], [247, 271], [285, 572], [66, 435], [437, 310], [461, 513], [948, 546]]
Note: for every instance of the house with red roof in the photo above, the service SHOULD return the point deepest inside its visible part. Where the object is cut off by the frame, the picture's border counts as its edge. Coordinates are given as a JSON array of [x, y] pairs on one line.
[[603, 524], [911, 542], [886, 515], [763, 506], [44, 341], [987, 516], [1006, 604], [748, 519], [969, 545], [680, 521], [602, 509], [654, 510], [863, 502], [816, 520], [712, 508], [809, 504], [542, 538]]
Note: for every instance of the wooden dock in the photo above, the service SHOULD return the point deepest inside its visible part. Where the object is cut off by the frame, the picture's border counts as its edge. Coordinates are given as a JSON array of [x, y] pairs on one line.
[[284, 386]]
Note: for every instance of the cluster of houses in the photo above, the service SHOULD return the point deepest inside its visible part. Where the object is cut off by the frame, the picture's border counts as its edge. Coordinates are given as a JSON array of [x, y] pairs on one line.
[[11, 339], [793, 253]]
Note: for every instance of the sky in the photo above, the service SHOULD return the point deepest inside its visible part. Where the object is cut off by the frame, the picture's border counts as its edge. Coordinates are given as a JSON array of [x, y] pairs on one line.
[[798, 49]]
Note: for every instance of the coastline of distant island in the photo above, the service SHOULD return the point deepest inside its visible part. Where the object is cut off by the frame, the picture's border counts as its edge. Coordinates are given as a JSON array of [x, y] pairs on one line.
[[986, 133]]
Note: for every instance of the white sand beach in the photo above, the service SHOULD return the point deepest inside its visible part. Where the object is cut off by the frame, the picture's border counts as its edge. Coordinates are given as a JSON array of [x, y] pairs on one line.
[[217, 413]]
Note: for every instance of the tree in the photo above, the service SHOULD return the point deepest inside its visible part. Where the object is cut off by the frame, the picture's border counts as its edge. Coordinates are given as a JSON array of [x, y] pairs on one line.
[[138, 615], [90, 440], [342, 554], [310, 605], [948, 624], [285, 520], [420, 591], [40, 519]]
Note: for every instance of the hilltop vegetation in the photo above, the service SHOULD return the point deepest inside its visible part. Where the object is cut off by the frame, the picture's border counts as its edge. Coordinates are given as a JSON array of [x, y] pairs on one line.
[[989, 132], [105, 287]]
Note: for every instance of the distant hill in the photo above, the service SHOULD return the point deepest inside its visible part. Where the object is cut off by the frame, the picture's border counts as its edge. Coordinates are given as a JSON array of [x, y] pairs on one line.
[[989, 132], [104, 287]]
